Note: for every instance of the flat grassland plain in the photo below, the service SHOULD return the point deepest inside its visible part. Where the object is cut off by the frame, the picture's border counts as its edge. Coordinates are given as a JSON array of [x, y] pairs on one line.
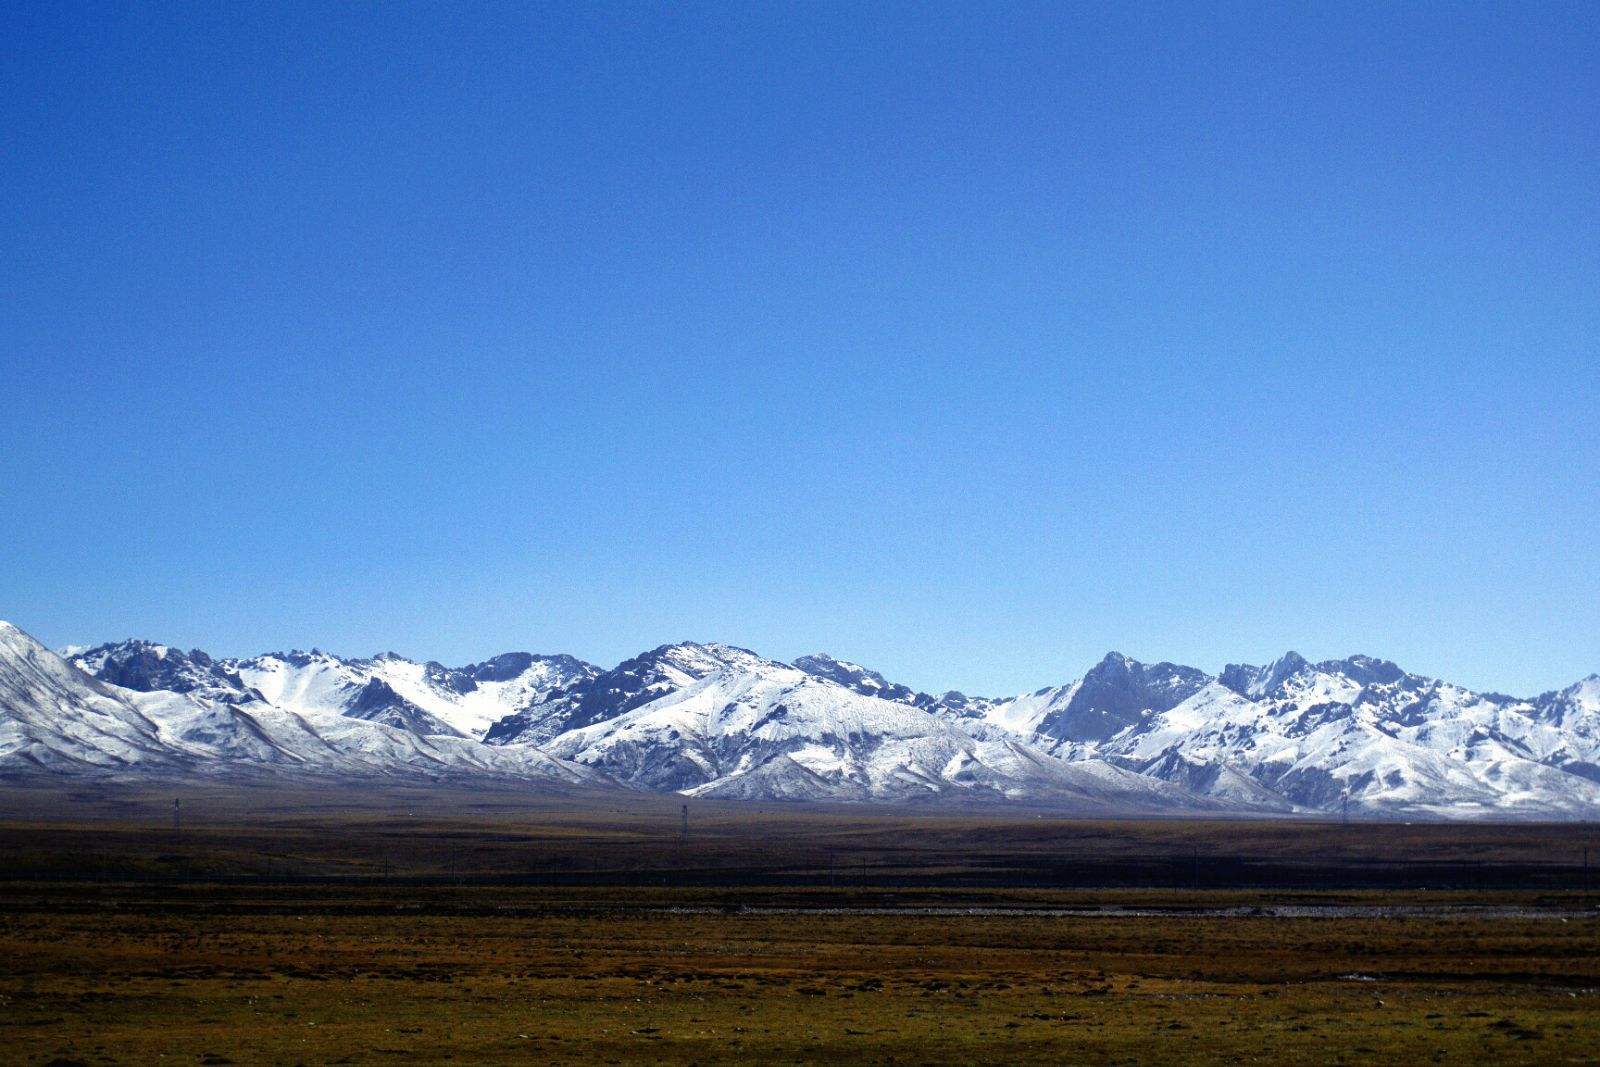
[[431, 925]]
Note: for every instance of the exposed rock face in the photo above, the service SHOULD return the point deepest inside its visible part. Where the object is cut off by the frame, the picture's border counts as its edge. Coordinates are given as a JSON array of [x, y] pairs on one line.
[[147, 667], [607, 694]]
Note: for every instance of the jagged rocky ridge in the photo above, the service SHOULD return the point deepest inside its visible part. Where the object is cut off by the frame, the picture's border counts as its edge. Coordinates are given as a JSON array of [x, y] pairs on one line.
[[771, 731], [598, 695], [761, 720], [1357, 734]]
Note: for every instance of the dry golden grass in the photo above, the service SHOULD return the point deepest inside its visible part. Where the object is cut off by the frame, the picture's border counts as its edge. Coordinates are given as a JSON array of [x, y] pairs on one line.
[[298, 975]]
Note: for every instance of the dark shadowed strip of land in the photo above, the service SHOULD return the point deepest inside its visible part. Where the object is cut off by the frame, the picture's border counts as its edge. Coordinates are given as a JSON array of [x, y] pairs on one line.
[[415, 835]]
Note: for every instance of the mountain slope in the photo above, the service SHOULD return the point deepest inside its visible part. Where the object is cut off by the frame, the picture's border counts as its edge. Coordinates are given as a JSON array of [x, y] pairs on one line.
[[870, 683], [1116, 694], [424, 697], [765, 729], [146, 666], [1363, 732], [54, 717], [1574, 714], [1357, 733], [607, 694]]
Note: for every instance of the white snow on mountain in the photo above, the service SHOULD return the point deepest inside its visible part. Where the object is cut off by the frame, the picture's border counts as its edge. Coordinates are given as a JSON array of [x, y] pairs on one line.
[[1023, 714], [55, 717], [1574, 712], [632, 683], [466, 700], [715, 720], [1329, 734], [766, 729]]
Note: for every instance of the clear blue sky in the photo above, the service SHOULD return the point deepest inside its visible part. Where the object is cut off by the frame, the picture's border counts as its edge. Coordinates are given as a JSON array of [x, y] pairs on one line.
[[969, 341]]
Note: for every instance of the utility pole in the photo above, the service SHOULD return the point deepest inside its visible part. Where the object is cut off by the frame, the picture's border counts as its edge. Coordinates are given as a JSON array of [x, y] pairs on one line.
[[683, 832], [176, 819]]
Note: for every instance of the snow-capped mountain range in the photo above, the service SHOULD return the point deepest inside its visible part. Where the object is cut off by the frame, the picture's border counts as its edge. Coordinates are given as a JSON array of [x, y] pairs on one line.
[[57, 718], [712, 720]]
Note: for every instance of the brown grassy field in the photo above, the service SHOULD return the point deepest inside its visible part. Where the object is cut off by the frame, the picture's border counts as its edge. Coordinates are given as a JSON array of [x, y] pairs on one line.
[[311, 976], [425, 926]]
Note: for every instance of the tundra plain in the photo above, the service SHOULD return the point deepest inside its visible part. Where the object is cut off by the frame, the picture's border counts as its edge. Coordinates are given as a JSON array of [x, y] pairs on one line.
[[431, 925]]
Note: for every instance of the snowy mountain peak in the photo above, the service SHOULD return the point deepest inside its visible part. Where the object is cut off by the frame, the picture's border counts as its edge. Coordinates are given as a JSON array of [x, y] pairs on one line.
[[823, 665], [1116, 693], [297, 657], [377, 701], [1261, 681], [699, 658], [855, 677], [1575, 709], [1257, 682], [145, 666], [1365, 670], [779, 732], [601, 695], [951, 704], [428, 697], [509, 666]]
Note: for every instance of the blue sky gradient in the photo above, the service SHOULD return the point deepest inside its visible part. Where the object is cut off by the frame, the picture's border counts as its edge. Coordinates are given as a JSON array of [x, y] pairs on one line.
[[967, 341]]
